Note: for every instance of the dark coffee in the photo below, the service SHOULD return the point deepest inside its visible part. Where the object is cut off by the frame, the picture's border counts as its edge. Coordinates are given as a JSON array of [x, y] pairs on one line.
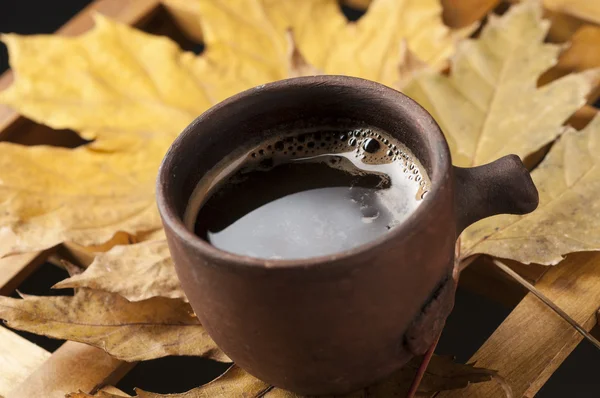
[[307, 194]]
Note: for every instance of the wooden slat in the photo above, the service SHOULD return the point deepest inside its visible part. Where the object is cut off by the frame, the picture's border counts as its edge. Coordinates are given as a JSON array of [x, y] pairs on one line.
[[73, 367], [131, 12], [15, 269], [533, 341], [484, 278], [18, 359]]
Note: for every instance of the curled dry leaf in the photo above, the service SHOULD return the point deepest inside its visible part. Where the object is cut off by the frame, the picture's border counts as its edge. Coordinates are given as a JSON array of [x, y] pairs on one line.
[[582, 53], [441, 375], [138, 331], [490, 106], [562, 26], [588, 10], [136, 272], [133, 93], [583, 117], [460, 13], [233, 383], [568, 217]]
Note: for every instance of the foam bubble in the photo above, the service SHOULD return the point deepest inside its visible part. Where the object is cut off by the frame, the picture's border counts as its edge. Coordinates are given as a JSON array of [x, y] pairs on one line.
[[370, 146]]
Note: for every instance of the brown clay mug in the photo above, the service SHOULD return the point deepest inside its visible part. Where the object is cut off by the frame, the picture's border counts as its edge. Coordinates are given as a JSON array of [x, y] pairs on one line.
[[336, 323]]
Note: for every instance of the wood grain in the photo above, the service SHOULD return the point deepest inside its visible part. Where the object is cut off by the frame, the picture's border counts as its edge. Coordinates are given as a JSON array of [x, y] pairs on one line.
[[18, 358], [73, 367], [533, 341]]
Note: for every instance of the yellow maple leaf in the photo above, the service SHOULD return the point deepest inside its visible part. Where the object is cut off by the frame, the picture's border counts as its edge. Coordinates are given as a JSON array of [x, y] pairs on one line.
[[567, 219], [490, 105], [442, 374], [129, 101], [50, 195], [253, 31], [129, 331], [133, 93], [110, 83]]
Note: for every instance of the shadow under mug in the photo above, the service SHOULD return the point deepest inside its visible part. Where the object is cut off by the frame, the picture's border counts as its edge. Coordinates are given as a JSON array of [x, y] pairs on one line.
[[336, 323]]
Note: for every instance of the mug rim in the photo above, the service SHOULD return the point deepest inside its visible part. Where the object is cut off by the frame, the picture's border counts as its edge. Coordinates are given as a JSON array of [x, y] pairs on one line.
[[438, 152]]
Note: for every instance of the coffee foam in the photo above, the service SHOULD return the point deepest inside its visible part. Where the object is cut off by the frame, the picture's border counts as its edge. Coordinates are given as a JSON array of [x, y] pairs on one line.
[[368, 146]]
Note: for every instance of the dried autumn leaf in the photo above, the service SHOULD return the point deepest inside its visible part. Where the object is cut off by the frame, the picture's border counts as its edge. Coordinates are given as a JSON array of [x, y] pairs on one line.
[[252, 32], [562, 26], [568, 217], [233, 383], [105, 392], [588, 10], [136, 272], [50, 195], [460, 13], [100, 394], [567, 16], [71, 268], [138, 331], [130, 91], [441, 375], [583, 53], [490, 106], [113, 83], [583, 117], [457, 13], [133, 93]]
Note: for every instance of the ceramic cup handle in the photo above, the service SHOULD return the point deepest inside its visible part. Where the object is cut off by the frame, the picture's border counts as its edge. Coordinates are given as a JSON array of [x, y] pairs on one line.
[[501, 187]]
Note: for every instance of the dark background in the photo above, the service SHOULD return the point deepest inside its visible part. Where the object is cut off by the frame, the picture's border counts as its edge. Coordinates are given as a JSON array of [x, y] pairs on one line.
[[473, 320]]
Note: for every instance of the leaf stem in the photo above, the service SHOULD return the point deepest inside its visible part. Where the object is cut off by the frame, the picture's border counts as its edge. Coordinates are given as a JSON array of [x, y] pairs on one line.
[[422, 368], [505, 268]]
